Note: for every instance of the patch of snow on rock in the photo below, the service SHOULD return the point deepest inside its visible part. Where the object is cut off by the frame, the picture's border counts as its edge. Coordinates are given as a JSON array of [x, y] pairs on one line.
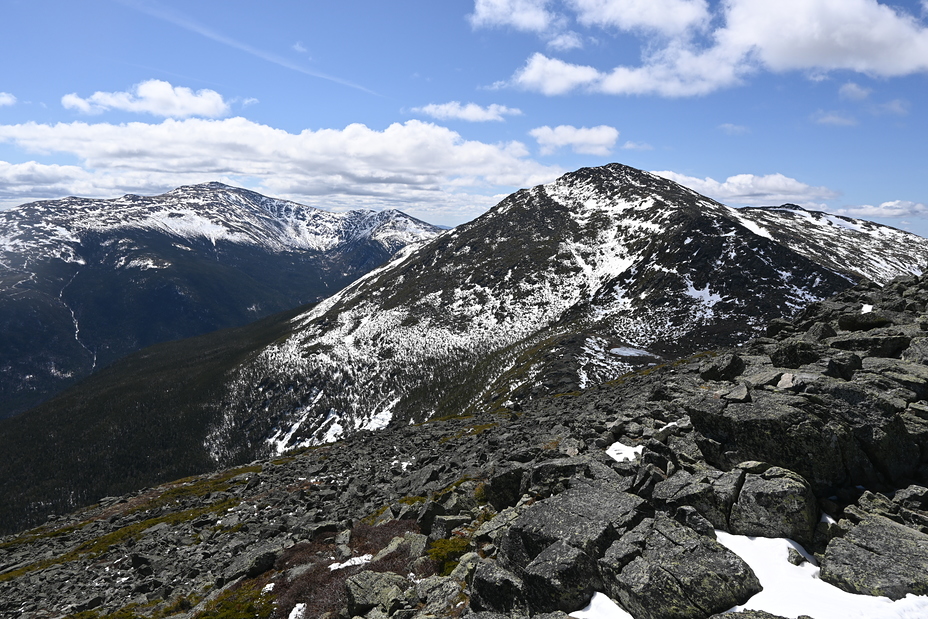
[[793, 590], [620, 452]]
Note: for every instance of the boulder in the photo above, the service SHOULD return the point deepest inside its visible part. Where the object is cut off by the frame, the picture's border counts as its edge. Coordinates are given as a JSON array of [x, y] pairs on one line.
[[368, 590], [917, 352], [497, 589], [561, 578], [724, 367], [664, 570], [587, 516], [878, 557], [775, 503], [795, 353]]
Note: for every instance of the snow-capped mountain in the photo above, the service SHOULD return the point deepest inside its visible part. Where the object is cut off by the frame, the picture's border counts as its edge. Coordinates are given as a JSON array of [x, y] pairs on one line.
[[559, 286], [84, 281]]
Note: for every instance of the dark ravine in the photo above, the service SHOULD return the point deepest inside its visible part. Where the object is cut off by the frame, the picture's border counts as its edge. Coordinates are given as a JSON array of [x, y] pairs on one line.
[[520, 513]]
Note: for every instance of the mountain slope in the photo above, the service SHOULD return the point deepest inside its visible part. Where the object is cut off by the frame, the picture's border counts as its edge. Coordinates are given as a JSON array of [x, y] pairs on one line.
[[574, 282], [558, 287], [84, 282]]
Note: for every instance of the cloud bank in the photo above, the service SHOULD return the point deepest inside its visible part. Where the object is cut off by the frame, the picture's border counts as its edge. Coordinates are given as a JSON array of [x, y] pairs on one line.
[[418, 166], [589, 141], [155, 97], [687, 50]]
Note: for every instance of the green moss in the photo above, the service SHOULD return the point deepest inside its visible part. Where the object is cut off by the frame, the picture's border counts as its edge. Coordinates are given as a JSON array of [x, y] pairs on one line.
[[244, 602], [371, 519], [411, 500], [196, 487], [469, 431], [96, 547], [447, 552]]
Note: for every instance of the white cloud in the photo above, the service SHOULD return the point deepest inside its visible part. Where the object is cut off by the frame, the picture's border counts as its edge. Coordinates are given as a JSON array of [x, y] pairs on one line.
[[835, 118], [417, 166], [298, 47], [554, 77], [155, 97], [896, 107], [670, 17], [768, 190], [7, 99], [894, 208], [733, 129], [590, 141], [637, 146], [815, 36], [858, 35], [525, 15], [470, 112], [854, 92], [565, 41]]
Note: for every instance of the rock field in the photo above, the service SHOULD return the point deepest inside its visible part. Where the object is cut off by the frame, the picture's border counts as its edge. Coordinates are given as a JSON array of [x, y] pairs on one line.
[[817, 432]]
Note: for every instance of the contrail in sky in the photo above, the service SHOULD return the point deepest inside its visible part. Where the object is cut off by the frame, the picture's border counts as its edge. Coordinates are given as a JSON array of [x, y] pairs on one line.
[[157, 10]]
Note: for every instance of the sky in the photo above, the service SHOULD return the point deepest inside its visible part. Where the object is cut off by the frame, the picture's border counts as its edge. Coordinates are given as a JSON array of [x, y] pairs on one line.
[[441, 108]]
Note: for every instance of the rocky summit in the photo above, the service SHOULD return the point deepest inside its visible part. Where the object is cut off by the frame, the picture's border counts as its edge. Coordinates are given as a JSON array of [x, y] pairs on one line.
[[630, 490]]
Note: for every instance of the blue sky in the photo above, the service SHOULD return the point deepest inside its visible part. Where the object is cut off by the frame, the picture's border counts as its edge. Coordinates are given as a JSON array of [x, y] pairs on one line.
[[440, 108]]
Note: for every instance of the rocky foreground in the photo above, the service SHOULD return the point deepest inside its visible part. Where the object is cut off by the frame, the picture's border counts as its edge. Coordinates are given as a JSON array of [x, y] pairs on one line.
[[817, 433]]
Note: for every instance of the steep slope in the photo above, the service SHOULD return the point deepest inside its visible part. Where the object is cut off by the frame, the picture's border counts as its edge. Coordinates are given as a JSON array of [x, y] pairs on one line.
[[84, 282], [560, 286]]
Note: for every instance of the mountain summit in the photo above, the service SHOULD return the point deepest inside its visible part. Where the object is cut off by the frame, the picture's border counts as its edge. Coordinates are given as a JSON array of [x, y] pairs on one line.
[[559, 286], [84, 282], [604, 271]]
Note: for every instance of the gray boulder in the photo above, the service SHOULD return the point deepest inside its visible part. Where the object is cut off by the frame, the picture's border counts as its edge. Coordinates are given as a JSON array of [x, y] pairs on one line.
[[496, 589], [878, 557], [561, 578], [369, 590], [588, 517], [664, 570], [775, 502]]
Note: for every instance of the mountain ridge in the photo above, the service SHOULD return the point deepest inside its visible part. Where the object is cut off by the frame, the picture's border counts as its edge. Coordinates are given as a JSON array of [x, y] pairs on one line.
[[91, 280]]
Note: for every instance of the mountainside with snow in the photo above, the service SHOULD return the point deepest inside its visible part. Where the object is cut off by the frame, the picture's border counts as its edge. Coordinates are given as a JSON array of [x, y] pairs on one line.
[[559, 287], [84, 282]]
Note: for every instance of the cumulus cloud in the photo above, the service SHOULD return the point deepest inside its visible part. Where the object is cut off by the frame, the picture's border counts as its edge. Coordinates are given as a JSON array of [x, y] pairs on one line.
[[853, 91], [565, 41], [767, 190], [834, 118], [525, 15], [418, 166], [155, 97], [815, 36], [554, 77], [637, 146], [7, 99], [670, 17], [470, 112], [298, 47], [896, 107], [894, 208], [733, 129], [586, 140]]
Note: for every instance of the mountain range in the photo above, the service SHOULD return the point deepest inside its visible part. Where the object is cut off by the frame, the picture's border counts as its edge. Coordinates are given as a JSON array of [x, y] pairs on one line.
[[84, 282], [559, 287]]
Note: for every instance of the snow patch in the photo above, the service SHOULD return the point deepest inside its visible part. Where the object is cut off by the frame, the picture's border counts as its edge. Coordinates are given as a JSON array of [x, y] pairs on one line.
[[793, 590], [352, 561], [621, 453]]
